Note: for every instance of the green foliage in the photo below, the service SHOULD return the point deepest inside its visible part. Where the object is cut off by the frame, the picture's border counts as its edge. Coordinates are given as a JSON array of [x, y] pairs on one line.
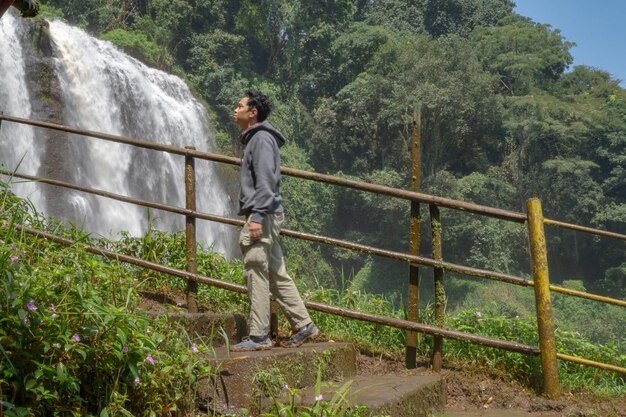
[[527, 368], [71, 337], [137, 45], [460, 17], [523, 54]]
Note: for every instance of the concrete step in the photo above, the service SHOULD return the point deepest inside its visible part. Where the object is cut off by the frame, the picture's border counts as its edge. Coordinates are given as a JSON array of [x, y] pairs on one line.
[[417, 395], [239, 381]]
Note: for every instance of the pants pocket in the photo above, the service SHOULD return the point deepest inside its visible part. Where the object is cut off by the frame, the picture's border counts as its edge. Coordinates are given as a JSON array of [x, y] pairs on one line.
[[255, 256]]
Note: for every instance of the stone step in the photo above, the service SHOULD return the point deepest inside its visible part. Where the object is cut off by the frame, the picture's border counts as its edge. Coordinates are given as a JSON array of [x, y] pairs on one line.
[[239, 376], [397, 395]]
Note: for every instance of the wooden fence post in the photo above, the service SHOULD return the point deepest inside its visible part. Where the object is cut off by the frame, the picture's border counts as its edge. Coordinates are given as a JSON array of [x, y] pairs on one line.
[[190, 231], [543, 303]]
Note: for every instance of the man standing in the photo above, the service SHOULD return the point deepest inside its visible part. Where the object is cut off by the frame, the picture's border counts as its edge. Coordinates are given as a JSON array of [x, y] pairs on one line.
[[260, 202]]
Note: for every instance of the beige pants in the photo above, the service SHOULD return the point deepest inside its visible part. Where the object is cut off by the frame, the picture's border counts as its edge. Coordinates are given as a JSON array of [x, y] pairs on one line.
[[265, 273]]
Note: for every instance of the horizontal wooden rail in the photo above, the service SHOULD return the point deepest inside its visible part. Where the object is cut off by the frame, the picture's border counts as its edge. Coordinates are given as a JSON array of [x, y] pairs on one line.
[[584, 229], [412, 259], [325, 308], [329, 179]]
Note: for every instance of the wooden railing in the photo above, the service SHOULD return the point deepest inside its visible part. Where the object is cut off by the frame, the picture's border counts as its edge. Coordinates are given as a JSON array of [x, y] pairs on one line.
[[533, 218]]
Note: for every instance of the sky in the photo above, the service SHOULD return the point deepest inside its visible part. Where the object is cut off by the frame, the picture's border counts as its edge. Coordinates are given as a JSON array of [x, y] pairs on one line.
[[597, 28]]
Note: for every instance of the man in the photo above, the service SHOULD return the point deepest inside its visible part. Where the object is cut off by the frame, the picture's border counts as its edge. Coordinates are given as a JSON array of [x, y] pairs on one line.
[[260, 203]]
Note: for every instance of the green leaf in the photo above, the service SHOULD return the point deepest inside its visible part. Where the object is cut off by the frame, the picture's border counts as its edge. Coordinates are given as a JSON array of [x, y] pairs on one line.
[[61, 373], [29, 384]]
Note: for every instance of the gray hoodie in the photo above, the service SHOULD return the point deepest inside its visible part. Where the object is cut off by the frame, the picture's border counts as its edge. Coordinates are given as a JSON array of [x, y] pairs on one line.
[[260, 172]]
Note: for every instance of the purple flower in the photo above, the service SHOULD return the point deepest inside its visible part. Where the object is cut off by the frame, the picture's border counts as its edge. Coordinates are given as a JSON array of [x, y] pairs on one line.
[[125, 349], [53, 308], [194, 348], [31, 306], [150, 359], [478, 314], [137, 381], [76, 338], [319, 397], [14, 258], [307, 295]]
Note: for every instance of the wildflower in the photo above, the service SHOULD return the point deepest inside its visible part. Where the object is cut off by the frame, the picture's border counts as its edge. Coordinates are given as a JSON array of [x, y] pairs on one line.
[[137, 381], [150, 359], [14, 258], [148, 330], [125, 350], [53, 308], [285, 388], [25, 321], [319, 397], [194, 348], [307, 295], [478, 314], [31, 306], [76, 337]]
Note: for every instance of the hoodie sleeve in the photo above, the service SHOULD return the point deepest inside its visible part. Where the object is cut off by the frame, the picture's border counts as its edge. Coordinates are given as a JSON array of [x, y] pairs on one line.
[[264, 166]]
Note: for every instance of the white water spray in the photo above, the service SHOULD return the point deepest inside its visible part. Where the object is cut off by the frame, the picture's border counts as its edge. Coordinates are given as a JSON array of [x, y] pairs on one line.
[[16, 140], [103, 89]]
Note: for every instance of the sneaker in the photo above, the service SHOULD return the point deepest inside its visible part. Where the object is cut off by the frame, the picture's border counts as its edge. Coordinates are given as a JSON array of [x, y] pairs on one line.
[[252, 343], [308, 332]]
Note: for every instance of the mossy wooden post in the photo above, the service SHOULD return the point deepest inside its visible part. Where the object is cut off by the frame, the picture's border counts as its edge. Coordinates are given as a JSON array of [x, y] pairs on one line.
[[274, 319], [190, 231], [414, 243], [543, 303], [440, 293]]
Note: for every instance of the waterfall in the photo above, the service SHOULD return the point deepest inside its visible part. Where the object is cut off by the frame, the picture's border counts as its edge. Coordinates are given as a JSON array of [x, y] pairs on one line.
[[105, 90], [16, 141]]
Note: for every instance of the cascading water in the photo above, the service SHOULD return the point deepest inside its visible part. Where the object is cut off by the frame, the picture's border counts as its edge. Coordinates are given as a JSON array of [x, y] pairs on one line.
[[103, 89], [16, 141]]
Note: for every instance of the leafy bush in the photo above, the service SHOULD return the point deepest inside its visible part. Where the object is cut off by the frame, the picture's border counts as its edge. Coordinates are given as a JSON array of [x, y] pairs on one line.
[[71, 339], [139, 46]]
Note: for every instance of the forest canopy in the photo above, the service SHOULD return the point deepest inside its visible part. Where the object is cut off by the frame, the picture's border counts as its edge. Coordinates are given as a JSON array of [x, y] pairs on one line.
[[505, 117]]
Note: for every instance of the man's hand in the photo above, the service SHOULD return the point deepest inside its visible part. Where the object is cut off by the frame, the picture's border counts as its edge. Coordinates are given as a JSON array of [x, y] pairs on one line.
[[256, 230]]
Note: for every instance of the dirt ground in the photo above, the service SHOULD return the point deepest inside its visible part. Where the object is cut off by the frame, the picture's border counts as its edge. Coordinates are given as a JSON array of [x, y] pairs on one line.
[[475, 393]]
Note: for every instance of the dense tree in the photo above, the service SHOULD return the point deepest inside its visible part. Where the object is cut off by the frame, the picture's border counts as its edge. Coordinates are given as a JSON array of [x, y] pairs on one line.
[[460, 17], [523, 54], [503, 120]]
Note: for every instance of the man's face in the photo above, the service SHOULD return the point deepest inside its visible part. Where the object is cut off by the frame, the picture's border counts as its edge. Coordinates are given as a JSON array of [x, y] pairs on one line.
[[243, 116]]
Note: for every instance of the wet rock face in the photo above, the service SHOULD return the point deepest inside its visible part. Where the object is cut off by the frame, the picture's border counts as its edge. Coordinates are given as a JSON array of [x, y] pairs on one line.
[[43, 83], [28, 8], [46, 105]]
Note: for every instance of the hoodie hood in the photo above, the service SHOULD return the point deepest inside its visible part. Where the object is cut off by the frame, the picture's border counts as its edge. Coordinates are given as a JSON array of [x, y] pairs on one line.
[[247, 134]]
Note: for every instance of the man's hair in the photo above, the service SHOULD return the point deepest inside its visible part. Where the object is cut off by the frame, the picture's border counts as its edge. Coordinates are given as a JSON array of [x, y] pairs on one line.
[[259, 101]]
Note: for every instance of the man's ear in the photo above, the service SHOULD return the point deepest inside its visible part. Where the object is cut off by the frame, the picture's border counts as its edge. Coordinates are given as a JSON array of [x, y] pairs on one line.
[[254, 113]]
